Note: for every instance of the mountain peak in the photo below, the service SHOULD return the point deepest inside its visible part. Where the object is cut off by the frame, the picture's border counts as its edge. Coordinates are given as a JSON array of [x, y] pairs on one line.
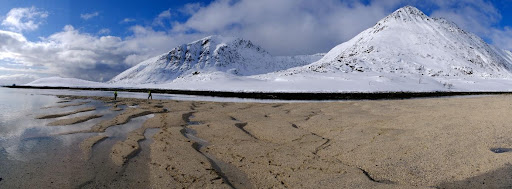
[[407, 13], [217, 38], [409, 10]]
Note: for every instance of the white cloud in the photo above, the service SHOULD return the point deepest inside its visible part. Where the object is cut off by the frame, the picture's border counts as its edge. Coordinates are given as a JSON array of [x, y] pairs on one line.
[[127, 20], [190, 8], [71, 53], [502, 37], [162, 17], [24, 19], [88, 16]]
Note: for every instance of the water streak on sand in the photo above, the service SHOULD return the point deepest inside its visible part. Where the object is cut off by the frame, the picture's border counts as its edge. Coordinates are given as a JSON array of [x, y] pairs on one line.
[[501, 150], [122, 151]]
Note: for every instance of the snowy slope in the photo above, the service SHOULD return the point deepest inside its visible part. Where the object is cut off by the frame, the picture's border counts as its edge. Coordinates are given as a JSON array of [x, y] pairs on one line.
[[210, 56], [409, 42]]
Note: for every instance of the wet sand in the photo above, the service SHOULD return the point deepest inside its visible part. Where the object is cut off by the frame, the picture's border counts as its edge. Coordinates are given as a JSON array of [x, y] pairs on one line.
[[49, 116], [74, 120], [417, 143]]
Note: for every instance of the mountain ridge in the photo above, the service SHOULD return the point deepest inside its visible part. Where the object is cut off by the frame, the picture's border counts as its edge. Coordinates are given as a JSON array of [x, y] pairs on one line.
[[212, 54]]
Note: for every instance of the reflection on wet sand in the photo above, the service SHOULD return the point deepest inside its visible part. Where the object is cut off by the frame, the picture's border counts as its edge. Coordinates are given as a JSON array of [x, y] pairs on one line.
[[74, 120], [67, 105]]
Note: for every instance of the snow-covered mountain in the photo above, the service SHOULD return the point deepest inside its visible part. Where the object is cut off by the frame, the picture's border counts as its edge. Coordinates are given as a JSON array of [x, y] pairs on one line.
[[405, 51], [204, 58], [410, 42]]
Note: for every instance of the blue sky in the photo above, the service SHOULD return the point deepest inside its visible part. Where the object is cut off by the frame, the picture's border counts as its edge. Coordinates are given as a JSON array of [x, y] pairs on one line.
[[98, 39], [110, 14]]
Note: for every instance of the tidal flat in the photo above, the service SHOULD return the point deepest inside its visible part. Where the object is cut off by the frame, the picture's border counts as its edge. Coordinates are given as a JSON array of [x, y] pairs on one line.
[[139, 143]]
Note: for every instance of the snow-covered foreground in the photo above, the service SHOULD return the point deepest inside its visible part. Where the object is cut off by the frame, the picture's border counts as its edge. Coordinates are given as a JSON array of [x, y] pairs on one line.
[[351, 82]]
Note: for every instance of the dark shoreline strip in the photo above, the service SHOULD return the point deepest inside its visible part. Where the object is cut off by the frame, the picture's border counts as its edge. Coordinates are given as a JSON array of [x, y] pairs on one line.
[[284, 95]]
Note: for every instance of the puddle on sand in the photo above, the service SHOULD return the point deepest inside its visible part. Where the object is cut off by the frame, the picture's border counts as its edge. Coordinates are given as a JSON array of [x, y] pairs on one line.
[[192, 122], [501, 150], [119, 131]]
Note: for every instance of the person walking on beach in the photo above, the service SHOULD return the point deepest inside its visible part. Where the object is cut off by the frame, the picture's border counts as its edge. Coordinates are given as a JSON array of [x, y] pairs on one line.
[[115, 95], [149, 95]]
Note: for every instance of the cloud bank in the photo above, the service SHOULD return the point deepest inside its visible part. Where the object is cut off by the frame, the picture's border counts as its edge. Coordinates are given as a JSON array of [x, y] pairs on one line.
[[71, 53], [17, 79]]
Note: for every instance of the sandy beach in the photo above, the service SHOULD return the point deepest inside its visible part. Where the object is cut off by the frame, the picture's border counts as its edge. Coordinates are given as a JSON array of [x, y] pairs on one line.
[[416, 143]]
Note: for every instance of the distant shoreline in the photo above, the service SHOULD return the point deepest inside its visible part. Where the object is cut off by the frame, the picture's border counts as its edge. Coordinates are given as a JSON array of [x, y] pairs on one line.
[[285, 95]]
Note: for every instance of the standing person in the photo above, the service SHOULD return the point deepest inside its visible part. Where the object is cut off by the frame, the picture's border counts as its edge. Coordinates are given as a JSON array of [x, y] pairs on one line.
[[149, 95], [115, 95]]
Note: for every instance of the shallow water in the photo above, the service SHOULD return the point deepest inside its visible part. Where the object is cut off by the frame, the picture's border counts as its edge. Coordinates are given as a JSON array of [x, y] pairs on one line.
[[34, 155]]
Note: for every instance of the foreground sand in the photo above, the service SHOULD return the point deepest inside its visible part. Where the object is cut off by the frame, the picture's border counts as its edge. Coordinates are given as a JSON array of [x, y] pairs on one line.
[[441, 143]]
